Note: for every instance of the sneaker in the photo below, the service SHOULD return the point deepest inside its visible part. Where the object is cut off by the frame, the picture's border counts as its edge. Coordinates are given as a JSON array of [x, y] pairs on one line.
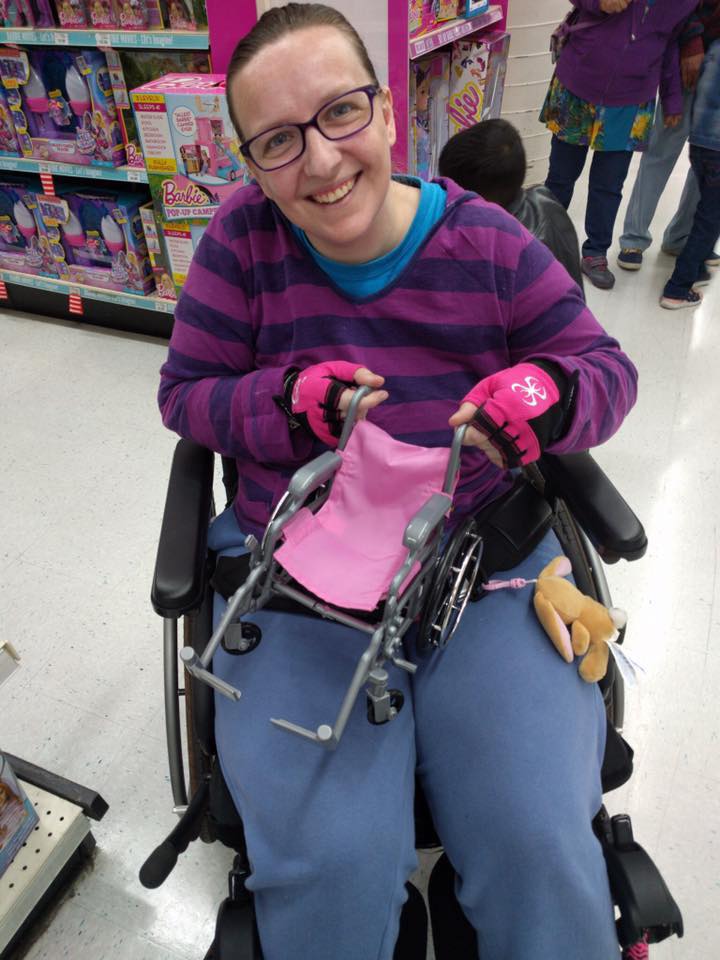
[[712, 261], [638, 951], [691, 299], [630, 258], [596, 270], [704, 279]]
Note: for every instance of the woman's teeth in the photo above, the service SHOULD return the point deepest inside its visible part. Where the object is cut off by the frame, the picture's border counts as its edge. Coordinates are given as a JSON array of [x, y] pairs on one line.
[[342, 191]]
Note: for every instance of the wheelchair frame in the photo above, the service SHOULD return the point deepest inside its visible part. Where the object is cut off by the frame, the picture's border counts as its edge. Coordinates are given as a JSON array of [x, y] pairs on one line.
[[601, 527]]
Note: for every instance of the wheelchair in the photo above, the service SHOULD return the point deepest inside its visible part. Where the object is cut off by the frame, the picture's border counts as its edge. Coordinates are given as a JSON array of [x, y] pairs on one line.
[[594, 525]]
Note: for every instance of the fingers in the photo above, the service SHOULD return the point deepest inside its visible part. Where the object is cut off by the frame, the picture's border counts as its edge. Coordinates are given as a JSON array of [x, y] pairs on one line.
[[367, 403], [464, 414], [366, 378]]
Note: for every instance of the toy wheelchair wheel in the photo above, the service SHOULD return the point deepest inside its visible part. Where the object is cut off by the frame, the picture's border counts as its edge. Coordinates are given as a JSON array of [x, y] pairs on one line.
[[450, 588]]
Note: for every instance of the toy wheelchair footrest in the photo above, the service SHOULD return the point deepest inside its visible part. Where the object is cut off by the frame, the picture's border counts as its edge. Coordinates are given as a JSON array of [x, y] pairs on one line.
[[646, 905], [179, 577]]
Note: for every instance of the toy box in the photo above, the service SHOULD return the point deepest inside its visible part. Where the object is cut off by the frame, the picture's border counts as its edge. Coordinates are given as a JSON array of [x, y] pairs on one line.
[[18, 817], [471, 8], [62, 105], [421, 17], [9, 146], [186, 14], [97, 238], [132, 68], [26, 13], [429, 91], [171, 249], [72, 13], [24, 246], [191, 151], [125, 14], [471, 98]]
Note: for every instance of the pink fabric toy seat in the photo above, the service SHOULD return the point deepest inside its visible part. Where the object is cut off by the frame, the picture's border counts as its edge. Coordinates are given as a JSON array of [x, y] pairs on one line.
[[349, 551]]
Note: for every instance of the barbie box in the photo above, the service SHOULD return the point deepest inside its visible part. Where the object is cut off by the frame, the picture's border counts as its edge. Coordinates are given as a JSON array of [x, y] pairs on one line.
[[191, 150], [18, 818]]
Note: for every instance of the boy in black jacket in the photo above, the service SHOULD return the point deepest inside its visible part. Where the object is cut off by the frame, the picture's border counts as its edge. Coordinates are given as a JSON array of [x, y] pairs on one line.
[[489, 158]]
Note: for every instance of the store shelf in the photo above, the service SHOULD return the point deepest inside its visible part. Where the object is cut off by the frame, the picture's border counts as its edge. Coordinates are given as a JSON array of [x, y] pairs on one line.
[[453, 30], [86, 171], [151, 302], [61, 830], [149, 39]]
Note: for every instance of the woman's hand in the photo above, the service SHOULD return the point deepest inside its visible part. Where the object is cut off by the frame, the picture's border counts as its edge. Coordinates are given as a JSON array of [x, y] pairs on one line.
[[321, 393], [513, 414], [673, 120], [690, 70], [614, 6]]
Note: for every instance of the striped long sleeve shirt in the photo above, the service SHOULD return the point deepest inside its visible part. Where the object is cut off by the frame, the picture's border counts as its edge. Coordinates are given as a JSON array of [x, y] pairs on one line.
[[480, 294]]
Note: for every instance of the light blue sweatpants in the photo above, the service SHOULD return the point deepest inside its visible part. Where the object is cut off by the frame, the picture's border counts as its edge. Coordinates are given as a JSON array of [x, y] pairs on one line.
[[508, 742], [656, 164]]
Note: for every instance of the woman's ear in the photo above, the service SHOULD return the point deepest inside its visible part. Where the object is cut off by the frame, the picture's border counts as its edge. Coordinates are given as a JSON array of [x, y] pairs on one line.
[[388, 113]]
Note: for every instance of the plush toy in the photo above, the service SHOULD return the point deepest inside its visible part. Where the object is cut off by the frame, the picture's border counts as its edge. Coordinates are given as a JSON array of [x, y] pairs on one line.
[[559, 605]]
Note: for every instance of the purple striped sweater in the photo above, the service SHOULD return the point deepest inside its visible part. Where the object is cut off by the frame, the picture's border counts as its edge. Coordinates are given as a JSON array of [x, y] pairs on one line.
[[480, 294]]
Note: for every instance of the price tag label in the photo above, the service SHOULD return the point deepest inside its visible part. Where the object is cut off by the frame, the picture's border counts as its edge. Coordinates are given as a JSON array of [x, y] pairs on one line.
[[135, 175], [103, 39], [62, 38], [44, 167], [164, 306]]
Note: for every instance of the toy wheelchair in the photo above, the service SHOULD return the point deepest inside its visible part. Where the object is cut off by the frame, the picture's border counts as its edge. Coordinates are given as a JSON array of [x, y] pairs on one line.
[[417, 581]]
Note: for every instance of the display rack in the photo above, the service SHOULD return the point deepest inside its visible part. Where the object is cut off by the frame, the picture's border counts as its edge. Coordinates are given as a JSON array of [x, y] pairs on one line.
[[58, 846], [149, 314], [140, 39], [29, 165], [453, 30]]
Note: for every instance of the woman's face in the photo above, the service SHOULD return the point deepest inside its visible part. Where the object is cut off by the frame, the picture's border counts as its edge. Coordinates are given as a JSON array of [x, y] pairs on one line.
[[337, 191]]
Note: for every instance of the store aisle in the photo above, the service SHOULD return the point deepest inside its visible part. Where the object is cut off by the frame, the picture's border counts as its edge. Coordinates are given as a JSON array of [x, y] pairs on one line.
[[85, 462]]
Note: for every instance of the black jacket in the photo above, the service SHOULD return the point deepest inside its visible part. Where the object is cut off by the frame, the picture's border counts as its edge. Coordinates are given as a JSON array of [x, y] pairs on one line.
[[539, 212]]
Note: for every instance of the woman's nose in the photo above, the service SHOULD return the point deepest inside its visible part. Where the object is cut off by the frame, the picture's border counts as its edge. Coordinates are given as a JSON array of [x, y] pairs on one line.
[[322, 156]]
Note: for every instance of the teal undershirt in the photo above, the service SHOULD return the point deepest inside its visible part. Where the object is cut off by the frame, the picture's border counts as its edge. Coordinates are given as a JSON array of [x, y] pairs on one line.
[[365, 279]]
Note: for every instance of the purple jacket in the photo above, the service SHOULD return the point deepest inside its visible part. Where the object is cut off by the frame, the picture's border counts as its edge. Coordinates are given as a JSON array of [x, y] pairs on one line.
[[479, 295], [623, 58]]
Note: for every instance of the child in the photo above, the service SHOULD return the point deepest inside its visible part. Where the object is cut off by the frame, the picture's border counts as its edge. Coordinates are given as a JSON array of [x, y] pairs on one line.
[[690, 269], [489, 158]]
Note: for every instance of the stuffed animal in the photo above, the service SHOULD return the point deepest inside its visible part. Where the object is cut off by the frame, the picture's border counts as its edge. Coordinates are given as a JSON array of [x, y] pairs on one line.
[[559, 605]]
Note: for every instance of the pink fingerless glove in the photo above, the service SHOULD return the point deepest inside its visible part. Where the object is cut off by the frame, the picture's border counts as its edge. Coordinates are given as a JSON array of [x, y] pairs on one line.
[[518, 409], [315, 397]]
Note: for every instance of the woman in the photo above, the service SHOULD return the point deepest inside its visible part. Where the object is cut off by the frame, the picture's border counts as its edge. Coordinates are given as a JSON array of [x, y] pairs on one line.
[[602, 96], [427, 293]]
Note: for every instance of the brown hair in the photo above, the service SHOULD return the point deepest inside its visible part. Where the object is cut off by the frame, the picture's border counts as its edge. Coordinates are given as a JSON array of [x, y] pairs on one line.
[[275, 23]]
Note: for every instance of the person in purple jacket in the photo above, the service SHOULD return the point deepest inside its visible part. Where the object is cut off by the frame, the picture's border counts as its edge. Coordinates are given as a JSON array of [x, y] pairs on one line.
[[326, 273], [602, 97]]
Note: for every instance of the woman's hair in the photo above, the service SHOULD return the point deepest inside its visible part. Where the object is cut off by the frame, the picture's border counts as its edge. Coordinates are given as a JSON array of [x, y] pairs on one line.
[[488, 158], [276, 23]]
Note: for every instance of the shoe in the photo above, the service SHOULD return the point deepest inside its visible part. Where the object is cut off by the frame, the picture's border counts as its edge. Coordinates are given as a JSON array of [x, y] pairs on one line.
[[712, 261], [692, 299], [630, 258], [638, 951], [704, 279], [596, 270]]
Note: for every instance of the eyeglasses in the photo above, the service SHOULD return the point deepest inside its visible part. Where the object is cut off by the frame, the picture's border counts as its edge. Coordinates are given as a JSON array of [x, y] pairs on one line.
[[339, 119]]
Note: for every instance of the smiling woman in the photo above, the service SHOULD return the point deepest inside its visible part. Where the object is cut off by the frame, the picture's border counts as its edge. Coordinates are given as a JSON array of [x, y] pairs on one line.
[[327, 273]]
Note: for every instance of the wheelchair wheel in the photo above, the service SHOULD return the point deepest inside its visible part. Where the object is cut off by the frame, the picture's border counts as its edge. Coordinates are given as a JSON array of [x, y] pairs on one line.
[[451, 587], [590, 579]]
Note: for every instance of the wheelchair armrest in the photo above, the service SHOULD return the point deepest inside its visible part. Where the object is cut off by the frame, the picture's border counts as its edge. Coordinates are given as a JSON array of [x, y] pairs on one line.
[[596, 504], [179, 578], [426, 520]]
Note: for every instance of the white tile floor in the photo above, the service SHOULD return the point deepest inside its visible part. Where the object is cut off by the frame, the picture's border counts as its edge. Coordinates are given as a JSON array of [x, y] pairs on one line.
[[81, 494]]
